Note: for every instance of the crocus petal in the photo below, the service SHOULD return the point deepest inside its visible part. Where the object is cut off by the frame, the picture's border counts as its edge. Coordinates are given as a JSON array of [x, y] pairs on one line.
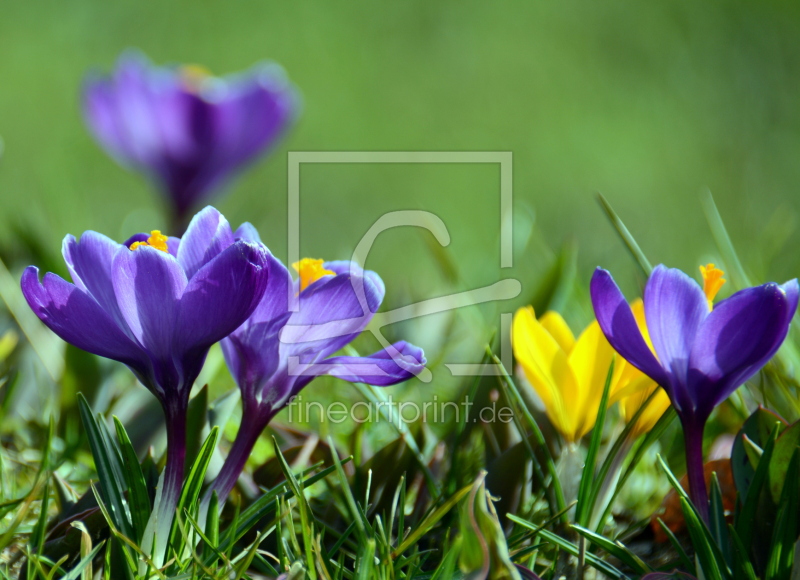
[[253, 355], [792, 291], [397, 363], [89, 262], [590, 361], [148, 284], [620, 328], [674, 306], [247, 232], [737, 339], [558, 328], [222, 295], [252, 351], [76, 317], [189, 134], [348, 267], [547, 369], [331, 314], [274, 306], [249, 115], [207, 235]]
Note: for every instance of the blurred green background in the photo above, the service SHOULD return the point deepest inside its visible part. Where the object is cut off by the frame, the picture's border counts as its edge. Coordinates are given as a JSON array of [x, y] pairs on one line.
[[650, 103]]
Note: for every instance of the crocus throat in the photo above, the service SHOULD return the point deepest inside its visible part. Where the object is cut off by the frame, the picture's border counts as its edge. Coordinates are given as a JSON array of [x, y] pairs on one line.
[[712, 282], [310, 270], [156, 240]]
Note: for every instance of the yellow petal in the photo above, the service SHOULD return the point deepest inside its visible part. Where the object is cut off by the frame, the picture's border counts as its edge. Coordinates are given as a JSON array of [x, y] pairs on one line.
[[628, 371], [639, 391], [590, 360], [546, 368], [637, 307], [555, 324]]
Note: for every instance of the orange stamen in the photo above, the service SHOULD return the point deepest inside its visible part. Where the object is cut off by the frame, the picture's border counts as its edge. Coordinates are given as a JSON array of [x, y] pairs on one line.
[[311, 270], [156, 240], [712, 282]]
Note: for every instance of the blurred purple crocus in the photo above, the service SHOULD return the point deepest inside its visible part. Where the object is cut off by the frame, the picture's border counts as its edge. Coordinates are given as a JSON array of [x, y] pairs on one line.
[[156, 304], [279, 350], [699, 352], [187, 130]]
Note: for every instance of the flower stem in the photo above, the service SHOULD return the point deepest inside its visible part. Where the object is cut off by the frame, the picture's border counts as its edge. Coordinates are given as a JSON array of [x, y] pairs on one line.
[[242, 447], [157, 533], [174, 468], [693, 438]]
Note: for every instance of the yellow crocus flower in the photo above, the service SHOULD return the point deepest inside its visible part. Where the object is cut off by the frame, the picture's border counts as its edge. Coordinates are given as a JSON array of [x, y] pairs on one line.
[[569, 374]]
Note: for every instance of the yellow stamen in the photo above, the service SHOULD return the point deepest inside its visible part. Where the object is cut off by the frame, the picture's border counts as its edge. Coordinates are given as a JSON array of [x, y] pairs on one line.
[[193, 76], [310, 270], [156, 240], [712, 282]]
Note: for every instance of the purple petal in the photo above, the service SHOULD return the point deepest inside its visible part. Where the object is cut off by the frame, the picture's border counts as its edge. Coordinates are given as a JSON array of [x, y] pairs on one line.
[[792, 291], [737, 339], [89, 262], [230, 123], [77, 318], [247, 232], [251, 113], [173, 245], [619, 326], [353, 269], [140, 237], [332, 313], [207, 235], [252, 353], [135, 114], [221, 296], [397, 363], [274, 305], [148, 284], [674, 307]]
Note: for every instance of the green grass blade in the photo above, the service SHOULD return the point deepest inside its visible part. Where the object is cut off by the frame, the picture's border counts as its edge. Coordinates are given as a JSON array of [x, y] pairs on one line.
[[626, 236], [747, 515], [75, 573], [137, 488], [355, 513], [742, 567], [687, 562], [654, 435], [709, 554], [716, 520], [264, 505], [366, 560], [588, 484], [781, 557], [591, 559], [192, 486], [306, 516], [702, 543], [432, 518], [616, 549], [107, 463], [510, 388]]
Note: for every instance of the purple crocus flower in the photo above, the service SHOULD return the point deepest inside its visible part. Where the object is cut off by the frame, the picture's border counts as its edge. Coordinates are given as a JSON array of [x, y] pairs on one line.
[[279, 350], [156, 304], [699, 353], [187, 130]]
